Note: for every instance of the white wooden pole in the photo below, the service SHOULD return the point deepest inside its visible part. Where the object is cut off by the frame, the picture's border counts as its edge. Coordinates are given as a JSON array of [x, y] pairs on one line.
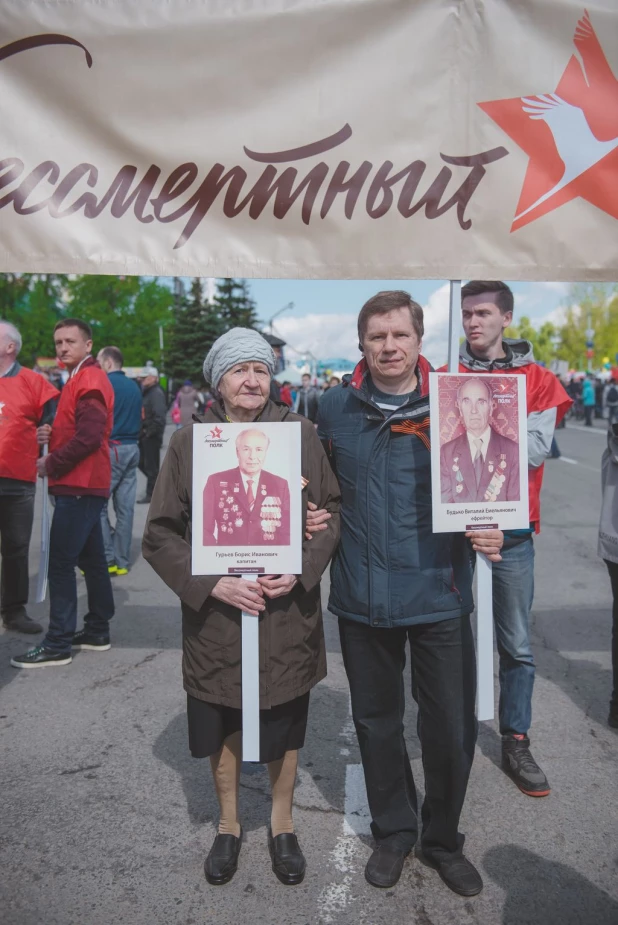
[[41, 585], [484, 594], [250, 684]]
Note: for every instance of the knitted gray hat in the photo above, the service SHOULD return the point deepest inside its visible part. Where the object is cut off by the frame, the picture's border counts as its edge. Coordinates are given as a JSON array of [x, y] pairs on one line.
[[238, 345]]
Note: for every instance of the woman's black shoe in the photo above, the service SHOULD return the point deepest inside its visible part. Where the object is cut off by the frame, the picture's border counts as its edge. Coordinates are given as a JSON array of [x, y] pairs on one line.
[[288, 860], [222, 861]]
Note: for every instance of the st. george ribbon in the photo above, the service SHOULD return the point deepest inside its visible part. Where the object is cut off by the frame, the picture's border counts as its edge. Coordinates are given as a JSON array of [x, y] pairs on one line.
[[250, 684], [484, 595], [41, 585]]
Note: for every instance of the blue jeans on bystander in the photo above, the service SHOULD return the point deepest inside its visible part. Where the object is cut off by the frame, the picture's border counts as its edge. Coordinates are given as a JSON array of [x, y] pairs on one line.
[[76, 540], [117, 541], [513, 593]]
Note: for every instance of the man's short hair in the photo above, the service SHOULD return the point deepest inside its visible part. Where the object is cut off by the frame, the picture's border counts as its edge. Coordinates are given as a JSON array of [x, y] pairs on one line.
[[252, 430], [114, 354], [14, 337], [83, 326], [483, 382], [504, 296], [386, 301]]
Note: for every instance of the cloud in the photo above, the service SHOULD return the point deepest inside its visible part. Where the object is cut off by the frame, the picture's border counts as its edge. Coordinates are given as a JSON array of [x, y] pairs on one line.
[[325, 336], [331, 336], [561, 289]]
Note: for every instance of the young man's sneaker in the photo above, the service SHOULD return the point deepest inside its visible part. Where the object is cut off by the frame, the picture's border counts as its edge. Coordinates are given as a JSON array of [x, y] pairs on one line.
[[521, 766], [112, 568], [40, 657], [121, 571], [85, 640]]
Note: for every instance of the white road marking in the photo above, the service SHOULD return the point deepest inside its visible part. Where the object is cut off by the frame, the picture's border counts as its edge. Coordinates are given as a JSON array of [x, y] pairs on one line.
[[357, 818], [348, 856], [576, 462], [587, 430]]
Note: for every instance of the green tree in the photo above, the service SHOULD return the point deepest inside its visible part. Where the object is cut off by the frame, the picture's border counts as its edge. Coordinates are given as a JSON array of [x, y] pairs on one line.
[[542, 340], [195, 327], [234, 305], [593, 307], [33, 303], [124, 311]]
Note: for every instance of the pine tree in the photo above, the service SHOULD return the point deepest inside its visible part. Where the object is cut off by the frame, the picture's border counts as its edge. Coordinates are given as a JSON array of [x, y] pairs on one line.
[[234, 304], [195, 327]]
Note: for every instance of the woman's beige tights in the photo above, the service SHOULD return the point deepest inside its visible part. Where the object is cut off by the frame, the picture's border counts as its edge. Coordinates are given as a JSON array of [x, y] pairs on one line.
[[226, 765], [282, 775]]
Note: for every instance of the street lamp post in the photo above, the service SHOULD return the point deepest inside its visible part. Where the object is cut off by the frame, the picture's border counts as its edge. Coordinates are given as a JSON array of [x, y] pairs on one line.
[[285, 308]]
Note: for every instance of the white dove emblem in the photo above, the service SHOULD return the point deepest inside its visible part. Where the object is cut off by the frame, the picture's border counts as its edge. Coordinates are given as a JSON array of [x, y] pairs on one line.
[[577, 147]]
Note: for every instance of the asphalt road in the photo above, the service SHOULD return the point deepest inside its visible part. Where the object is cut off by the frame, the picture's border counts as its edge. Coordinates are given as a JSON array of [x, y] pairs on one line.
[[107, 819]]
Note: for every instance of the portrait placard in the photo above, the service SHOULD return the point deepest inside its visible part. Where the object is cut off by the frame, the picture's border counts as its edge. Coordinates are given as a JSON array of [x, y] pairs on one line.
[[247, 499], [479, 452]]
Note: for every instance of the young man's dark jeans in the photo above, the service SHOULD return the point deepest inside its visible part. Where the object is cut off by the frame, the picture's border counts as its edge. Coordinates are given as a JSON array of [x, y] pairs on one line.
[[444, 669], [612, 568], [16, 514], [149, 461], [76, 539]]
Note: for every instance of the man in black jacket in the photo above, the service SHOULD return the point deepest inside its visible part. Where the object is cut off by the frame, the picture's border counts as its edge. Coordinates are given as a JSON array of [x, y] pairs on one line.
[[397, 585], [153, 427]]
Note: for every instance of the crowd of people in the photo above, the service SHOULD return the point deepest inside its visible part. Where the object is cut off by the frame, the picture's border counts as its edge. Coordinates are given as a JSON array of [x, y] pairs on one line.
[[366, 498]]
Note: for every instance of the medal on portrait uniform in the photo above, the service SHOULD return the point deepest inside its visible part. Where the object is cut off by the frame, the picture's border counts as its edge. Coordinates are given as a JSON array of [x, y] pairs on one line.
[[497, 481], [503, 460], [270, 516]]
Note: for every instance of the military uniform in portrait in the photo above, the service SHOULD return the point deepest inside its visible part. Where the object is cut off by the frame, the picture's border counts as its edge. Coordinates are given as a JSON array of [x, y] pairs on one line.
[[241, 510]]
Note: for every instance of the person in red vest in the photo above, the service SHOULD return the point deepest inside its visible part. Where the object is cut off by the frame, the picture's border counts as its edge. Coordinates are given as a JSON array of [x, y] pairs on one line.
[[487, 310], [79, 472], [26, 400]]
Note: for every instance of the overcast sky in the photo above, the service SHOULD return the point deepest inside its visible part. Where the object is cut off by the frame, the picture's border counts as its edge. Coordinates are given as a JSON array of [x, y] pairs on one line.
[[323, 319]]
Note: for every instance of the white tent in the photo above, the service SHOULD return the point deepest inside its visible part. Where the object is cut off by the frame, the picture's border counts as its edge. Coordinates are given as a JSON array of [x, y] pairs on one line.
[[291, 374]]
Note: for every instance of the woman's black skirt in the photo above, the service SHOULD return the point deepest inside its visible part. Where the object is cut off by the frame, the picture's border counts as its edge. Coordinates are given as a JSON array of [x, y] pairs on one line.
[[282, 728]]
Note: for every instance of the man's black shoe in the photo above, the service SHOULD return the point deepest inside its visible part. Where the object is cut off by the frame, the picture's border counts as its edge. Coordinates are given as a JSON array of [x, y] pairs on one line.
[[522, 768], [612, 719], [21, 623], [145, 500], [222, 861], [458, 873], [384, 866], [40, 657], [85, 640], [289, 862]]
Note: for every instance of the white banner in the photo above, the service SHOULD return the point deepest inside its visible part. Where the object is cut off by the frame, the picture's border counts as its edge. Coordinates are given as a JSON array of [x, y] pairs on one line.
[[310, 138]]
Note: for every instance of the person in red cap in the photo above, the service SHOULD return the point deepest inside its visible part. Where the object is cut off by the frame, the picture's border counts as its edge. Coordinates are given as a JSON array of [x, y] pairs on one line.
[[26, 399], [79, 472]]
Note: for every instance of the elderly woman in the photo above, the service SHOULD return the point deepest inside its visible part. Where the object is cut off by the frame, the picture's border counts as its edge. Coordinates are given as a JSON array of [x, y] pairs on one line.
[[239, 367]]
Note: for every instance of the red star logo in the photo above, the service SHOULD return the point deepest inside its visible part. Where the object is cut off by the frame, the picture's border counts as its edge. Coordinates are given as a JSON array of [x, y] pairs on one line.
[[215, 433], [570, 135]]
